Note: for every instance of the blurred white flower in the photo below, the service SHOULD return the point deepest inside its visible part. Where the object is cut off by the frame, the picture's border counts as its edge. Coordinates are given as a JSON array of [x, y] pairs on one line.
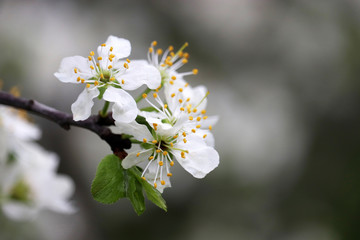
[[107, 78]]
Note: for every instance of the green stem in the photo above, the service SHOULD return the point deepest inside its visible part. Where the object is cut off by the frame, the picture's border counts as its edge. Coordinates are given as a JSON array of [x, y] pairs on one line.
[[103, 112], [140, 97]]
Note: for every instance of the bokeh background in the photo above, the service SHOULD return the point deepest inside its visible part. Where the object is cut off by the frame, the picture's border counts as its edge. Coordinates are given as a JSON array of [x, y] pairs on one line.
[[284, 78]]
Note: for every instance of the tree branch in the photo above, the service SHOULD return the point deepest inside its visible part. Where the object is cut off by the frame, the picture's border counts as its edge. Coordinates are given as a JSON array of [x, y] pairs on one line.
[[98, 125]]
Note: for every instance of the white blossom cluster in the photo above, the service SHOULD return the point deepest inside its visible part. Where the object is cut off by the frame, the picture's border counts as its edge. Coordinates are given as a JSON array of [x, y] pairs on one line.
[[28, 179], [174, 125]]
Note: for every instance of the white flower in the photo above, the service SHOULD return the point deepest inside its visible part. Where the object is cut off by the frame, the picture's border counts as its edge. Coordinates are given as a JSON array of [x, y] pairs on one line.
[[29, 184], [14, 129], [107, 76], [169, 62], [164, 142]]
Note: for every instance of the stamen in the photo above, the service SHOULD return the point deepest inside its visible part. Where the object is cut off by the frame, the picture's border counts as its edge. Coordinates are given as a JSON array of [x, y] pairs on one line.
[[151, 50], [102, 76], [145, 140], [180, 89], [151, 157], [78, 79], [171, 82], [198, 119], [103, 45], [182, 109], [75, 70], [195, 71], [90, 58], [184, 134], [128, 60], [172, 163], [173, 78], [112, 79], [96, 83], [161, 163], [162, 182], [205, 117], [191, 118], [111, 48], [204, 135], [87, 85], [144, 95], [155, 185], [184, 61], [138, 154], [184, 140], [198, 126], [158, 150], [154, 43], [210, 127], [126, 65], [92, 67], [154, 141], [92, 53], [173, 95], [155, 95], [159, 51], [109, 67], [194, 110], [169, 174], [123, 81], [193, 130], [165, 153], [143, 178], [175, 136], [99, 58], [171, 48]]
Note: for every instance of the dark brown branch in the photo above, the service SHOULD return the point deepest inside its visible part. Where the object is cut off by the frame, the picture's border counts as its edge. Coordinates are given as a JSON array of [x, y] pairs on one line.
[[95, 123]]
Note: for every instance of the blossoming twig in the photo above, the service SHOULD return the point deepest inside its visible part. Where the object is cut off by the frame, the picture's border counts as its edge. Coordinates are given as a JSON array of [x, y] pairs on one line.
[[95, 123]]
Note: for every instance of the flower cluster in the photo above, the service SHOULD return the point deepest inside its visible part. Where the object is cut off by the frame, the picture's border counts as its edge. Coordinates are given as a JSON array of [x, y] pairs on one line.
[[173, 126], [28, 178]]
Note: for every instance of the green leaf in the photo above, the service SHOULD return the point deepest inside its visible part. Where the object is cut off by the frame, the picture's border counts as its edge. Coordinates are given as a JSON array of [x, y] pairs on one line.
[[151, 193], [109, 185], [135, 194]]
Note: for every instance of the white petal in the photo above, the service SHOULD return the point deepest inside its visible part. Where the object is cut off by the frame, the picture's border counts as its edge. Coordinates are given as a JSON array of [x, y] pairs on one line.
[[211, 120], [66, 71], [81, 108], [121, 48], [163, 129], [18, 211], [209, 139], [124, 108], [200, 160], [139, 131], [140, 72], [132, 159]]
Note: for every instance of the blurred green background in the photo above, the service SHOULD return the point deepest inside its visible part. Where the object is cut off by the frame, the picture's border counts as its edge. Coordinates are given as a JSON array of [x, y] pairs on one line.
[[284, 77]]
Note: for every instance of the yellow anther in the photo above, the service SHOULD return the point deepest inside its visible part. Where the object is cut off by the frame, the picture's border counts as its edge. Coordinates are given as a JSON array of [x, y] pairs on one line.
[[193, 130], [184, 134], [87, 85], [198, 126], [180, 100], [194, 110], [172, 54], [184, 140], [173, 77], [111, 48], [162, 182], [182, 154], [110, 67], [99, 58], [158, 150], [169, 63], [128, 60], [143, 178], [126, 65], [92, 67], [182, 109], [78, 79], [165, 153], [203, 111], [75, 70], [171, 82], [180, 89], [97, 64], [169, 174], [171, 144], [145, 140], [90, 58], [110, 59], [155, 185], [184, 61], [144, 95], [155, 95], [186, 55], [159, 51], [92, 53], [205, 117], [180, 53], [123, 81], [175, 136], [161, 163], [191, 118], [82, 80], [165, 106], [172, 163], [173, 95], [102, 76], [138, 154], [186, 44], [195, 71], [171, 48], [210, 127], [155, 124], [186, 85], [188, 99], [198, 119], [96, 83], [154, 141], [151, 50], [154, 43], [103, 45], [204, 135], [112, 79], [111, 55], [151, 157]]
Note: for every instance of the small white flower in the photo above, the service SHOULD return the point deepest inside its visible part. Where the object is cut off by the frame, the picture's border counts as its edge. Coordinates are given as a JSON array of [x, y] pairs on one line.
[[107, 76], [164, 142], [169, 62], [30, 184]]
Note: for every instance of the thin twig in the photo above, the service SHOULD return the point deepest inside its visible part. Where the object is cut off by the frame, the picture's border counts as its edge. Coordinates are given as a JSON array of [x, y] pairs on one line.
[[98, 125]]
